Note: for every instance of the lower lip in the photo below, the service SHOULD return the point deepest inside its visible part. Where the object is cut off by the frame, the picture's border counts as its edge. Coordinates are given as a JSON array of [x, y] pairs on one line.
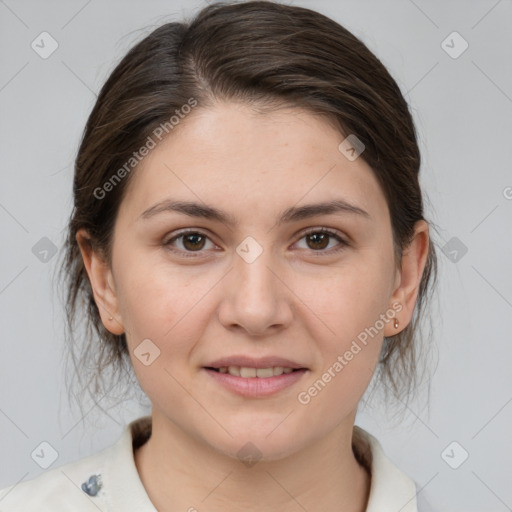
[[256, 386]]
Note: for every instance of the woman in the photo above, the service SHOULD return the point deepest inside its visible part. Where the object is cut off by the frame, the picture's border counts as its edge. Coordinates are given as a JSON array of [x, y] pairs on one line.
[[248, 233]]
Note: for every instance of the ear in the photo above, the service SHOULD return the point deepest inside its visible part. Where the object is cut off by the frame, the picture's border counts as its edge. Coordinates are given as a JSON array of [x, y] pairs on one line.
[[102, 284], [408, 279]]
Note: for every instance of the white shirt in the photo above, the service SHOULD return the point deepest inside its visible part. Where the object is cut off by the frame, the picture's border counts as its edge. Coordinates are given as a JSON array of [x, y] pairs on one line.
[[60, 488]]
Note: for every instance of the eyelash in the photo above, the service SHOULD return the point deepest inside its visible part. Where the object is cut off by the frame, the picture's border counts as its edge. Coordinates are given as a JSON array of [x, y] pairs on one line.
[[320, 252]]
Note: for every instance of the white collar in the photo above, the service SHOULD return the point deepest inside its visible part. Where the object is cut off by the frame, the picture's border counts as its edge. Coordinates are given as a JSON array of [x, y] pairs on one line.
[[391, 490]]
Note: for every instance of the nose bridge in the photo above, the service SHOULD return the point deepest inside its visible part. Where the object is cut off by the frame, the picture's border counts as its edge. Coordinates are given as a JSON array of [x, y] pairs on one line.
[[256, 299], [253, 273], [256, 285]]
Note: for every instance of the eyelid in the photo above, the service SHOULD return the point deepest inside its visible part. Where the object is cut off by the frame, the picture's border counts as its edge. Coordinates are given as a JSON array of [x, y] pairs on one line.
[[333, 233], [330, 231], [342, 240], [182, 232], [185, 231]]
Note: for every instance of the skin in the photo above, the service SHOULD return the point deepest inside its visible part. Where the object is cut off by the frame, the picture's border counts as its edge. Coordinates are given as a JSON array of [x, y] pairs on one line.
[[298, 300]]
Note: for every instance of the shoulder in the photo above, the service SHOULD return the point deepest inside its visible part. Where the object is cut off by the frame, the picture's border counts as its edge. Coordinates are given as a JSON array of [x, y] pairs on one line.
[[55, 488], [390, 489], [114, 481]]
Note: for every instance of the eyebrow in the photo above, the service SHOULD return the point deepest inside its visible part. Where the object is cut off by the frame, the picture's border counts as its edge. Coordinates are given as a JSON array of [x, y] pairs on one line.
[[292, 214]]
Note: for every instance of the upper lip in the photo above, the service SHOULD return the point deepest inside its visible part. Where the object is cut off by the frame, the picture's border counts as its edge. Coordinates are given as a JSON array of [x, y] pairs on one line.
[[252, 362]]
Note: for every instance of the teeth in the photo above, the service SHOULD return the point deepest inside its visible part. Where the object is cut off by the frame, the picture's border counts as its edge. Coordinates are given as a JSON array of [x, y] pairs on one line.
[[234, 370], [246, 372], [264, 372]]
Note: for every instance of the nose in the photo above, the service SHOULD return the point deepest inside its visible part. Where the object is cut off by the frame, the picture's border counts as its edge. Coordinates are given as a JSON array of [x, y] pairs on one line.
[[255, 297]]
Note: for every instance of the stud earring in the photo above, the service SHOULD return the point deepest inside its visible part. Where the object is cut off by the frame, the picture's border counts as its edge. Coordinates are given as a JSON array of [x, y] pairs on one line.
[[395, 325], [111, 318]]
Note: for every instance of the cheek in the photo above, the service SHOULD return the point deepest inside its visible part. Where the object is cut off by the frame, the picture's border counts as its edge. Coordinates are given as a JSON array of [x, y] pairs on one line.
[[351, 298], [151, 297], [159, 312], [164, 304], [353, 309], [349, 345]]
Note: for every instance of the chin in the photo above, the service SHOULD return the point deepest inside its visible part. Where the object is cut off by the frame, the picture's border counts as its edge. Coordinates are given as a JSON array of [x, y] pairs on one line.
[[250, 453], [252, 443]]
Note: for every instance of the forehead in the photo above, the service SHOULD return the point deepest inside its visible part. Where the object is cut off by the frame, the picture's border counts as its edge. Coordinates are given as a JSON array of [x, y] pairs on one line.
[[243, 161]]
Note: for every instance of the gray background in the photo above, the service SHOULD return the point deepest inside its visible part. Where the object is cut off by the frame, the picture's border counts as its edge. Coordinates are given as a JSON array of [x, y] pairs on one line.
[[462, 107]]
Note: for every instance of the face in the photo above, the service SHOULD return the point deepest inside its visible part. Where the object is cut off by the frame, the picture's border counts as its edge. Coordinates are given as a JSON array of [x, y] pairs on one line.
[[267, 280]]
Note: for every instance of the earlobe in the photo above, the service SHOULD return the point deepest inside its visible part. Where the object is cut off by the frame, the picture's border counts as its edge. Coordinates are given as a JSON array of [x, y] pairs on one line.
[[102, 284], [414, 259]]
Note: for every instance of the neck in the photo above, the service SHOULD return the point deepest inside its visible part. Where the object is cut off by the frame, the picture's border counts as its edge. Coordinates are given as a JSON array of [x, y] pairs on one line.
[[182, 473]]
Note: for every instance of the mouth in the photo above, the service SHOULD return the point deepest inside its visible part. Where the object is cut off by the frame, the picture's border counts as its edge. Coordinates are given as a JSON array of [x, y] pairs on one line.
[[247, 372], [253, 377], [257, 381]]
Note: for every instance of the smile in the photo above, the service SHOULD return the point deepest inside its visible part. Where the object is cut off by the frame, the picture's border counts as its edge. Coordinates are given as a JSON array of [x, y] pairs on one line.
[[255, 382], [247, 372]]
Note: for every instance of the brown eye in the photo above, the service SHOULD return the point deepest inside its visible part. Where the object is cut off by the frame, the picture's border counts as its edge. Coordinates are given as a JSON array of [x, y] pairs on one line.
[[318, 240], [189, 242], [193, 241]]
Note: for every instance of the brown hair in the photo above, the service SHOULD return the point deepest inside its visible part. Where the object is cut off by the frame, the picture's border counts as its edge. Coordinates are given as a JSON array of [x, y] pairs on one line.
[[266, 54]]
